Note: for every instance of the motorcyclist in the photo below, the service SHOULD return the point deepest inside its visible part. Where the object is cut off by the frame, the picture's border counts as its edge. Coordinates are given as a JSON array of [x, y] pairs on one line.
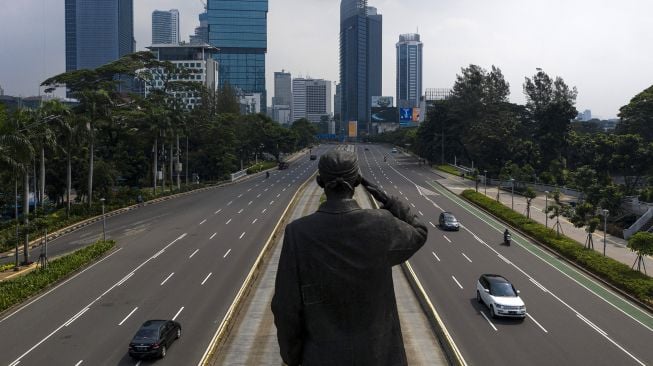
[[267, 175], [506, 236]]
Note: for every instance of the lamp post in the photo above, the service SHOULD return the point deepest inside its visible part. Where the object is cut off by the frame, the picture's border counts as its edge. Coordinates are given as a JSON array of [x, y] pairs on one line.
[[546, 209], [104, 221], [512, 195], [605, 227], [485, 180]]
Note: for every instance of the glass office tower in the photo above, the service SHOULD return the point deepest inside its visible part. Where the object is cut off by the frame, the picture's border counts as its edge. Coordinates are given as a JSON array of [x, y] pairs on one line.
[[98, 32], [165, 26], [239, 29], [360, 61], [409, 70]]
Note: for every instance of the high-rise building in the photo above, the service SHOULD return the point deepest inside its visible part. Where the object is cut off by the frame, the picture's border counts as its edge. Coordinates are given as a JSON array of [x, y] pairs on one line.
[[311, 99], [409, 70], [165, 26], [196, 60], [239, 29], [2, 91], [98, 32], [282, 88], [360, 61], [201, 35]]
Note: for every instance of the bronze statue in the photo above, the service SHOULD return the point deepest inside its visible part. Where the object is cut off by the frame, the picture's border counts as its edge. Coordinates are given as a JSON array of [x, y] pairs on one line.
[[334, 301]]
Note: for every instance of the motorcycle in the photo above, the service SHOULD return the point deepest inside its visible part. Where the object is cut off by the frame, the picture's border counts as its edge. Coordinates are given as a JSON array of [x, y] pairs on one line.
[[507, 240]]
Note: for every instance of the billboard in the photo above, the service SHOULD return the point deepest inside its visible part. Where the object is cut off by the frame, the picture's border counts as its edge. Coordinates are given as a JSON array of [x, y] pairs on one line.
[[353, 128], [382, 102], [384, 115], [405, 115], [416, 114]]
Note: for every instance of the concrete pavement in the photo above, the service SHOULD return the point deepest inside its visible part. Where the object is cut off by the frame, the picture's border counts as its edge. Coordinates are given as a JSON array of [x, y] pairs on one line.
[[253, 340], [615, 247]]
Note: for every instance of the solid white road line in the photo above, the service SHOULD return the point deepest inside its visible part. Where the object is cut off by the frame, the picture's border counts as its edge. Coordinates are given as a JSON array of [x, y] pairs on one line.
[[207, 277], [227, 223], [436, 257], [179, 312], [213, 236], [536, 322], [195, 252], [447, 239], [226, 254], [457, 283], [167, 278], [71, 320], [538, 285], [128, 315], [489, 322], [466, 257], [241, 235], [203, 221]]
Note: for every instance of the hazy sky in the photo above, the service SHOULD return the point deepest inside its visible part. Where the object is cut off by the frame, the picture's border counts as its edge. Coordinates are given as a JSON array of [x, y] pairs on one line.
[[603, 47]]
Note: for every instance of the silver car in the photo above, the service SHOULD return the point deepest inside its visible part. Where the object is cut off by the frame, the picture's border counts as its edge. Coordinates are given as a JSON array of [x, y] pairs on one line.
[[500, 296]]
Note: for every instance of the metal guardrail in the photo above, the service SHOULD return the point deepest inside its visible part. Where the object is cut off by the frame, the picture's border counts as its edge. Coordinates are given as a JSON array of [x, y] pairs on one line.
[[637, 226], [238, 175]]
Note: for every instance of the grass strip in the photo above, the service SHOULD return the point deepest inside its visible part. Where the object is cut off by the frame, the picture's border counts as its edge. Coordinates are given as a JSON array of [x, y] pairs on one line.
[[616, 273], [21, 288]]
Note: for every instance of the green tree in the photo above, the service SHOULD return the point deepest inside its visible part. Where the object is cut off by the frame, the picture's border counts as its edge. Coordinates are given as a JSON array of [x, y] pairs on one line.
[[637, 116], [642, 244], [529, 194], [305, 132], [550, 106]]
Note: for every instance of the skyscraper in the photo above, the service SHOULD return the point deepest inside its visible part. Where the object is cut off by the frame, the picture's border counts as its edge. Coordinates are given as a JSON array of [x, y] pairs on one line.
[[239, 29], [165, 26], [98, 32], [409, 70], [282, 88], [201, 35], [311, 99], [360, 60]]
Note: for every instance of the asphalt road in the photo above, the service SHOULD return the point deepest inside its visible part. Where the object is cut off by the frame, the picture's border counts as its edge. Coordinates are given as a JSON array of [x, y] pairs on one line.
[[572, 319], [182, 259]]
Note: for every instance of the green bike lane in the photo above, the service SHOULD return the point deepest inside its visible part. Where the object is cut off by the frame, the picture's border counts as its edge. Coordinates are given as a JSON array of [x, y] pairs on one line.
[[600, 290]]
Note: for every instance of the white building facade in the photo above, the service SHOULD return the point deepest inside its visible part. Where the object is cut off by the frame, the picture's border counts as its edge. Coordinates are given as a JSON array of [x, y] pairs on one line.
[[165, 26], [312, 99]]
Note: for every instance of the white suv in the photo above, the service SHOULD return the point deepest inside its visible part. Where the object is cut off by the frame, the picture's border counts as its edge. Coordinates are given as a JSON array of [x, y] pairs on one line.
[[498, 294]]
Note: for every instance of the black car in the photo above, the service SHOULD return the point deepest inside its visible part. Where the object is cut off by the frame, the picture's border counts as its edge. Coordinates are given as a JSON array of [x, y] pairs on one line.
[[448, 221], [313, 157], [154, 338]]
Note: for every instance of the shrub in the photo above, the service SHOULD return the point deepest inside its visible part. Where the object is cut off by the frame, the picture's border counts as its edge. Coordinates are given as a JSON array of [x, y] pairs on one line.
[[17, 290], [618, 274]]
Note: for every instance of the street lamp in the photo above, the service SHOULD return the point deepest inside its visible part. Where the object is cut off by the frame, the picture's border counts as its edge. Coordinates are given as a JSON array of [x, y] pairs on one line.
[[546, 209], [512, 195], [485, 180], [605, 227], [104, 221]]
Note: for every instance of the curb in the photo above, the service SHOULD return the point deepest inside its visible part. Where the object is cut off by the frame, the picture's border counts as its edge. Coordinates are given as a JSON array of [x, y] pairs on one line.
[[229, 319]]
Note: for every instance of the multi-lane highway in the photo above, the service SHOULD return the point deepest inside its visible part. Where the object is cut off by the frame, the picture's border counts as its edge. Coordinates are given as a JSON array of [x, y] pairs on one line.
[[572, 319], [182, 259], [186, 259]]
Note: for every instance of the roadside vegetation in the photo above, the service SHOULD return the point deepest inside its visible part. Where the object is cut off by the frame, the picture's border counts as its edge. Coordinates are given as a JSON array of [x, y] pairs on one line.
[[539, 141], [15, 291], [59, 160], [631, 281]]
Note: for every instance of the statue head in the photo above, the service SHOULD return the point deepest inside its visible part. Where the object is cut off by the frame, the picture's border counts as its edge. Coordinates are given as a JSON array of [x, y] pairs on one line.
[[338, 172]]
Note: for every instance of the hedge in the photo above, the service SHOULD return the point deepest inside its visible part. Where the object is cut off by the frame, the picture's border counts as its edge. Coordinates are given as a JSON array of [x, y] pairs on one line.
[[614, 272], [17, 290], [449, 169]]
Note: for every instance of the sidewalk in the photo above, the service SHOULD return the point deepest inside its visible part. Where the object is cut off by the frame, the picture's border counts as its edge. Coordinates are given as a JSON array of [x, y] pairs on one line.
[[615, 246], [253, 340]]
